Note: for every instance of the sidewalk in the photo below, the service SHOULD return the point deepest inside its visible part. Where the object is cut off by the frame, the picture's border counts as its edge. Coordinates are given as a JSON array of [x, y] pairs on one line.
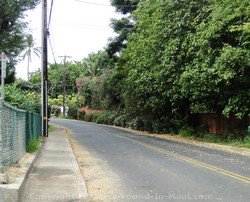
[[55, 175]]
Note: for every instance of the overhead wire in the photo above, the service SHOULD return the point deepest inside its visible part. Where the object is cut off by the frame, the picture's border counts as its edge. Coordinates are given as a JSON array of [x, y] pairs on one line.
[[52, 49], [75, 25], [83, 26], [50, 13], [51, 43], [93, 3], [100, 4]]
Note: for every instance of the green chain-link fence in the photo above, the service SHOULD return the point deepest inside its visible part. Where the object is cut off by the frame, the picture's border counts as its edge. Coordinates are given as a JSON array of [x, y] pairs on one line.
[[17, 128]]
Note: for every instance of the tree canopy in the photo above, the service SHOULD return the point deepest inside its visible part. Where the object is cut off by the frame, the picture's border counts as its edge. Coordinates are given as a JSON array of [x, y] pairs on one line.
[[123, 27], [172, 59], [12, 30]]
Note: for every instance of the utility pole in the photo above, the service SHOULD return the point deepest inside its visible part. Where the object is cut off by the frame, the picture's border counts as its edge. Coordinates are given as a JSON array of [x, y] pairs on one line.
[[64, 81], [44, 71]]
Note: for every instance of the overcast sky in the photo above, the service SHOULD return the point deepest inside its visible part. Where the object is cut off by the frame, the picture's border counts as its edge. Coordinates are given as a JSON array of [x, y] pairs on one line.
[[77, 28]]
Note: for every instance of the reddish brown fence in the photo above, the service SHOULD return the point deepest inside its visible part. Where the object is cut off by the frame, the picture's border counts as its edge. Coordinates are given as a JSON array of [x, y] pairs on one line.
[[218, 124]]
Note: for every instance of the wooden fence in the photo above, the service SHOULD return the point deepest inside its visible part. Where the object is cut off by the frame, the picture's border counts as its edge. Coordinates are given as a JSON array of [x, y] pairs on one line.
[[218, 124]]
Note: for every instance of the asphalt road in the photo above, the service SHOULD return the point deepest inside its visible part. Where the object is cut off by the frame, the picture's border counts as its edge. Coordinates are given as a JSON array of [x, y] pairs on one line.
[[150, 169]]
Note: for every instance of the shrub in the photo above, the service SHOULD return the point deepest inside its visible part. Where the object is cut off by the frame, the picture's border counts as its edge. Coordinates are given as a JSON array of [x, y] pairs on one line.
[[22, 99], [33, 145], [72, 112], [106, 117], [96, 117], [246, 141], [136, 123], [55, 111], [187, 131], [99, 118], [89, 117], [81, 114], [109, 117], [50, 128], [121, 120], [158, 126]]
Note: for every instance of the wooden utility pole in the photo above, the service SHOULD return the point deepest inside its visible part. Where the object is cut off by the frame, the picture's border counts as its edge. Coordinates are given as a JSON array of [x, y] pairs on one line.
[[44, 71], [64, 82]]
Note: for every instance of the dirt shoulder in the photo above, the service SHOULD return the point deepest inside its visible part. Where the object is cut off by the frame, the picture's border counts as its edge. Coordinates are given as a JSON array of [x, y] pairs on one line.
[[101, 182]]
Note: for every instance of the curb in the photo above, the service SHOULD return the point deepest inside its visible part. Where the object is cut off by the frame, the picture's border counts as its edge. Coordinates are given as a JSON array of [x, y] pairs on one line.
[[82, 187], [13, 192]]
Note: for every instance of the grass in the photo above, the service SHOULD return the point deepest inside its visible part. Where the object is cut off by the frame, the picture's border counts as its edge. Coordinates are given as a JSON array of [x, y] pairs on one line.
[[33, 145], [226, 139], [187, 132], [242, 143], [50, 128], [230, 140]]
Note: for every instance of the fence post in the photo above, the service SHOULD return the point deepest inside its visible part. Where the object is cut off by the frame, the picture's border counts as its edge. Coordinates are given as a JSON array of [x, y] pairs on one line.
[[27, 129], [1, 136]]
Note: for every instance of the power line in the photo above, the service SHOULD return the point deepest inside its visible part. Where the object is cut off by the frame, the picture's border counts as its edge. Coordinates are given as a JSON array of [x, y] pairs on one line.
[[50, 13], [100, 4], [49, 33], [80, 24], [92, 3], [52, 50], [83, 26], [53, 44]]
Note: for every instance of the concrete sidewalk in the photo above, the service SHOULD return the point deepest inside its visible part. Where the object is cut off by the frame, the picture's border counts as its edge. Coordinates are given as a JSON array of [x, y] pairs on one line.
[[55, 175]]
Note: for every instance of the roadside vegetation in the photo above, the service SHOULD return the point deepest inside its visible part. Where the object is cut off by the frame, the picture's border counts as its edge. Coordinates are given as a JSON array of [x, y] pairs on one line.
[[50, 128], [169, 61], [158, 72], [14, 40], [224, 139], [123, 120], [33, 145], [14, 32], [22, 99]]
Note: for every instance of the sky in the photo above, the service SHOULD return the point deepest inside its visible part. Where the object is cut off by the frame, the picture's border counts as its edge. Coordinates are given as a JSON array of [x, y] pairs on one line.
[[77, 28]]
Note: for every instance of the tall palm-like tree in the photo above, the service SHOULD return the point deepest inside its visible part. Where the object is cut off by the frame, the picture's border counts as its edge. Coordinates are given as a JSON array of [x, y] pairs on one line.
[[95, 63], [30, 50]]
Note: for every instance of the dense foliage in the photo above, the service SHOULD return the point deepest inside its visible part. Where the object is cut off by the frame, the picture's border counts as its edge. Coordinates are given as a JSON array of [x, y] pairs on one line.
[[22, 99], [57, 73], [185, 55], [169, 59]]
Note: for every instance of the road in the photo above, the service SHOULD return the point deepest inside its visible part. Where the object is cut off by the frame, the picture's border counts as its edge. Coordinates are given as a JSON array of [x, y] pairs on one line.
[[122, 166]]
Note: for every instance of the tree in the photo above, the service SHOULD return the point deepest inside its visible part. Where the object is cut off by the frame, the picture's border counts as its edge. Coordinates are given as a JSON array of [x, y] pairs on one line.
[[123, 27], [30, 50], [95, 63], [94, 85], [186, 53], [73, 71], [218, 74], [12, 30]]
